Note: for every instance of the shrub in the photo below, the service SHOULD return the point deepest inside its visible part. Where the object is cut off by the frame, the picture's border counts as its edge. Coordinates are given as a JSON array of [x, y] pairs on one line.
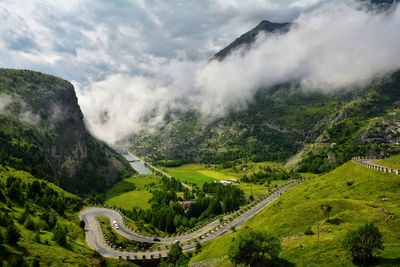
[[37, 237], [29, 224], [253, 248], [35, 262], [17, 261], [198, 247], [363, 243], [174, 253], [12, 235], [60, 235], [308, 231], [326, 209]]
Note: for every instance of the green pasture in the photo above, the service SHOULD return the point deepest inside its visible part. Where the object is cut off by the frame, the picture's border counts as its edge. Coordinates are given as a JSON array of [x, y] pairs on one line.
[[357, 195], [131, 192], [193, 174]]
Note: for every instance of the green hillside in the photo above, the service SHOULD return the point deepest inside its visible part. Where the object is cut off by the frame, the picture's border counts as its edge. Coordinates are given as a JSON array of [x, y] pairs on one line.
[[272, 128], [392, 162], [356, 194], [367, 125], [37, 208], [44, 144]]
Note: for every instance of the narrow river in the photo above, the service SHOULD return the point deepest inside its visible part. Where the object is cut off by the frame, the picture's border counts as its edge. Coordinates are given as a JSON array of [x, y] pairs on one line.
[[137, 165]]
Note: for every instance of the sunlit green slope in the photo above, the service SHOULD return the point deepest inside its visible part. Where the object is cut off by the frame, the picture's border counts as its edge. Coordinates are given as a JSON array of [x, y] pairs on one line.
[[356, 194]]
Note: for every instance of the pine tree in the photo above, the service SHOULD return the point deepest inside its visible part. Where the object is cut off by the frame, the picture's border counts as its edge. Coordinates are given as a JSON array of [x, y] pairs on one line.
[[12, 235]]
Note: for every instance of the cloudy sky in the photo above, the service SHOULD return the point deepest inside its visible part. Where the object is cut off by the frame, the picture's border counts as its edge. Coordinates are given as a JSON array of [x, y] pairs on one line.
[[132, 61]]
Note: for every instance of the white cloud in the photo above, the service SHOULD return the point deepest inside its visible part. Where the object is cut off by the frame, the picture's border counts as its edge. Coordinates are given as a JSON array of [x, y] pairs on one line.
[[330, 48], [5, 100]]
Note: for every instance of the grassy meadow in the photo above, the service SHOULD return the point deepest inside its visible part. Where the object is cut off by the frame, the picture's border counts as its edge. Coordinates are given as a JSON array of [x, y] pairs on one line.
[[357, 195], [194, 174], [131, 192], [199, 174]]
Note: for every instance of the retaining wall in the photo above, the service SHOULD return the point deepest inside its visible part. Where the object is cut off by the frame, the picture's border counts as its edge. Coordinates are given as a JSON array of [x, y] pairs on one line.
[[363, 162]]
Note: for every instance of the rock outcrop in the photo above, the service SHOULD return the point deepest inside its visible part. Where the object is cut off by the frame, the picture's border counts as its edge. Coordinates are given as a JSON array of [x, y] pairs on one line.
[[42, 125]]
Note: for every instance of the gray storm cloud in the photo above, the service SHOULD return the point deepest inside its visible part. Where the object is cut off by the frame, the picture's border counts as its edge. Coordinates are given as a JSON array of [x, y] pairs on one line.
[[134, 61], [336, 46]]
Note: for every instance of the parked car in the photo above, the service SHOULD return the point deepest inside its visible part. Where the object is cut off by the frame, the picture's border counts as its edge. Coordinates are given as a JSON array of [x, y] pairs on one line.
[[156, 239]]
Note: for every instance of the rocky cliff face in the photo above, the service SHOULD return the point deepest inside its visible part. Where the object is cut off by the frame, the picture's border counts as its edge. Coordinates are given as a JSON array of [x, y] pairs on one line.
[[42, 131], [67, 150]]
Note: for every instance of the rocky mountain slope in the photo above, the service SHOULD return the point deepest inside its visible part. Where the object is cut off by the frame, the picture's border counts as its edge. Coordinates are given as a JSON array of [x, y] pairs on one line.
[[249, 37], [281, 121], [367, 125], [42, 131]]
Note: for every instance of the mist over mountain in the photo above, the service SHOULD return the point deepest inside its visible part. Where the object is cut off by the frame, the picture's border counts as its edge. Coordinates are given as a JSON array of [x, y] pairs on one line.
[[250, 37], [268, 113], [323, 59]]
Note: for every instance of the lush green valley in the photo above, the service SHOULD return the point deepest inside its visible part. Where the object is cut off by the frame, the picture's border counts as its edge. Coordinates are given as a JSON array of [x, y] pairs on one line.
[[277, 174]]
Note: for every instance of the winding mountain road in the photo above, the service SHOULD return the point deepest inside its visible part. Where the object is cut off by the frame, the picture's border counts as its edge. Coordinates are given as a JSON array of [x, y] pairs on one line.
[[96, 240]]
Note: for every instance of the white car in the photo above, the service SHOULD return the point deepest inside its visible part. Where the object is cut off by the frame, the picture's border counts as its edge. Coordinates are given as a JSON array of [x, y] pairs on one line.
[[116, 226]]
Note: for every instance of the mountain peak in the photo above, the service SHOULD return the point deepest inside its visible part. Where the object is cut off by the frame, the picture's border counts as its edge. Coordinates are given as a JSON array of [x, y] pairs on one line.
[[249, 37]]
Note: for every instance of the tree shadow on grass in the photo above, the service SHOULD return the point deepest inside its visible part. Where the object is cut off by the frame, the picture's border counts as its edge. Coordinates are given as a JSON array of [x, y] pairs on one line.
[[335, 221], [123, 187], [280, 262], [386, 262], [378, 261]]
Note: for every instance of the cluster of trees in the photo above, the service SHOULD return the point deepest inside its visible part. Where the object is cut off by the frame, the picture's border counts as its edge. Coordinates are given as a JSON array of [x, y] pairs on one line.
[[168, 215], [229, 196], [319, 162], [169, 162], [268, 174], [40, 193], [31, 195], [363, 243], [175, 257], [21, 149], [254, 248]]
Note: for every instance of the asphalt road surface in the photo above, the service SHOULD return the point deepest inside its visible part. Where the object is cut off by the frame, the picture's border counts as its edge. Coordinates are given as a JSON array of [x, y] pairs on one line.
[[95, 239]]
